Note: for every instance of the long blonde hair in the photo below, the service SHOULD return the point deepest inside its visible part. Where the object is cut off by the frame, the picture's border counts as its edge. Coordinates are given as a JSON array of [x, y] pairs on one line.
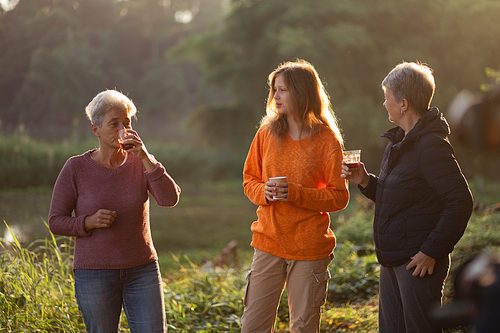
[[310, 101]]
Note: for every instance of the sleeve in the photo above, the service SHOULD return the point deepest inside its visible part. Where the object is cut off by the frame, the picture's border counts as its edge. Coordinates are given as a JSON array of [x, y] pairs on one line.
[[443, 174], [163, 187], [333, 196], [62, 205], [370, 191], [253, 185]]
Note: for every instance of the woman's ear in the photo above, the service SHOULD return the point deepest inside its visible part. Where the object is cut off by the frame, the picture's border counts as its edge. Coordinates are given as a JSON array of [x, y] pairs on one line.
[[95, 130], [404, 105]]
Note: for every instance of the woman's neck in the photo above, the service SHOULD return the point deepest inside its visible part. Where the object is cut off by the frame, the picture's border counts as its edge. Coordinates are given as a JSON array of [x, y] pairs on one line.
[[109, 158], [411, 118], [294, 130]]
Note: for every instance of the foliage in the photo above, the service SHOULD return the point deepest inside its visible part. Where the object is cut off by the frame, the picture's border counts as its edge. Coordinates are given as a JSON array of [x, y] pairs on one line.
[[204, 302], [353, 45], [57, 55], [36, 288], [354, 277], [494, 76], [36, 291], [29, 162]]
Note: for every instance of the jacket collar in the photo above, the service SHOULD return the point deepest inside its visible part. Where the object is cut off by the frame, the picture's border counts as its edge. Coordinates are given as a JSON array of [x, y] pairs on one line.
[[432, 121]]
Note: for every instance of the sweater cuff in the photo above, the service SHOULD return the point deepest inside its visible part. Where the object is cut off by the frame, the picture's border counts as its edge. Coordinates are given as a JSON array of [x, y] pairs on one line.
[[371, 189], [292, 192], [81, 227]]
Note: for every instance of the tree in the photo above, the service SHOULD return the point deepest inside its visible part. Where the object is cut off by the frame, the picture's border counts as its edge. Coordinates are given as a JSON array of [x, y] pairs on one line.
[[56, 55], [353, 44]]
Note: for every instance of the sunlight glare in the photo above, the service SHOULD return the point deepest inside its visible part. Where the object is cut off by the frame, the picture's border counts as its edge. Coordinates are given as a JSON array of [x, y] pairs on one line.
[[8, 4], [184, 16]]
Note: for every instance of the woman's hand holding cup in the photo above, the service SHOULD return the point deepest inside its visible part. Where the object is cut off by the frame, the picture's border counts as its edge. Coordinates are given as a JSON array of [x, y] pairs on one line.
[[276, 189], [357, 175]]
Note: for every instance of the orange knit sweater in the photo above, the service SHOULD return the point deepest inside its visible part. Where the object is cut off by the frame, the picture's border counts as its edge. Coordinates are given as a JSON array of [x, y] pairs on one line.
[[299, 228]]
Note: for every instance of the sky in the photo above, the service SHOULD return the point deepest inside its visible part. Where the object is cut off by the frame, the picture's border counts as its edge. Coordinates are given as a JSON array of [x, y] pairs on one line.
[[5, 4]]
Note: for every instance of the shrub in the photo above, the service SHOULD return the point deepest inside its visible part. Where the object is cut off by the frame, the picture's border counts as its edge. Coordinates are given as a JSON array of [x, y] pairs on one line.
[[26, 162]]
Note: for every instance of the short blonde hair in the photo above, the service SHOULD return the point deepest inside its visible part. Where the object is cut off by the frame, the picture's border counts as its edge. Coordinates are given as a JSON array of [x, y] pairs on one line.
[[106, 100]]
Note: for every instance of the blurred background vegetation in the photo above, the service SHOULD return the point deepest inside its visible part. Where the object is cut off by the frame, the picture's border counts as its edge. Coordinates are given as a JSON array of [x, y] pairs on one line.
[[197, 70]]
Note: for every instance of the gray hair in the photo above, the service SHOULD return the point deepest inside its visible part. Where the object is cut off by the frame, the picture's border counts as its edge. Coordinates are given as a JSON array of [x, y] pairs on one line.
[[106, 100], [413, 82]]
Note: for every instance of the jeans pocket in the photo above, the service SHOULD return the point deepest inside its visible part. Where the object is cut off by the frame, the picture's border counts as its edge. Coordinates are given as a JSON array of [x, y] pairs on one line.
[[319, 288], [246, 288]]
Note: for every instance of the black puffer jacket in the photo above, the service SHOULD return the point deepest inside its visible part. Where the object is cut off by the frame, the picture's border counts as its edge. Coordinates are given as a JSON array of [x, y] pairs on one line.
[[422, 200]]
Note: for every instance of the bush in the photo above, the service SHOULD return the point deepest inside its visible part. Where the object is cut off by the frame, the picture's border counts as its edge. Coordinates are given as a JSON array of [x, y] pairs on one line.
[[204, 302], [26, 162]]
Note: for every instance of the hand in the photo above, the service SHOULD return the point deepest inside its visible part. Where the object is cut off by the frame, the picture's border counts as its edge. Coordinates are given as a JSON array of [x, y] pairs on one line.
[[132, 138], [278, 190], [103, 218], [357, 175], [139, 149], [423, 264]]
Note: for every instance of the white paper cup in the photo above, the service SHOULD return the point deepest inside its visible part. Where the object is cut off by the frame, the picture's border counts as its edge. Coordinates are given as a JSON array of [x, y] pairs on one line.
[[277, 180]]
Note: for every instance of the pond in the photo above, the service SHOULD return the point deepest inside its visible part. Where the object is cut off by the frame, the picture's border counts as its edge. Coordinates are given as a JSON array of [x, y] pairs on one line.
[[25, 210]]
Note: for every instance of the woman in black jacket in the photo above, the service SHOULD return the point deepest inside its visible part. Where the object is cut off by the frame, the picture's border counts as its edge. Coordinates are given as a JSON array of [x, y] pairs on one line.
[[422, 202]]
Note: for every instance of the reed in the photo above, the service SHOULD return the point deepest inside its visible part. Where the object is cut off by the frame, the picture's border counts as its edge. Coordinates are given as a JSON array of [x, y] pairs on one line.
[[28, 162], [36, 287], [36, 280]]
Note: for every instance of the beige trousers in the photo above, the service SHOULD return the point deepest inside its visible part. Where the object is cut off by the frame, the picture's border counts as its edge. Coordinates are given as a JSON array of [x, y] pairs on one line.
[[306, 285]]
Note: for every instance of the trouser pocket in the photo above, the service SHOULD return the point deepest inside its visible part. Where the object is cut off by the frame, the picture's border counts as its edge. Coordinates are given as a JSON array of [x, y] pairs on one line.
[[245, 295], [319, 288]]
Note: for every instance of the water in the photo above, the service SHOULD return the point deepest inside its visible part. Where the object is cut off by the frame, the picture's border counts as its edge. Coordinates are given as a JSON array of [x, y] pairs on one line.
[[207, 217], [25, 212]]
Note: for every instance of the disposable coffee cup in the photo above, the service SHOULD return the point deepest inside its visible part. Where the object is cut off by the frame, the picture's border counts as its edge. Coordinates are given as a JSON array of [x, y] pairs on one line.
[[277, 180]]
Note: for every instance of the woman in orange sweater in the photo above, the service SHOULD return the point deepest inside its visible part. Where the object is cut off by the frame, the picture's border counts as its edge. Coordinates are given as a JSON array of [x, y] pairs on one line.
[[300, 140]]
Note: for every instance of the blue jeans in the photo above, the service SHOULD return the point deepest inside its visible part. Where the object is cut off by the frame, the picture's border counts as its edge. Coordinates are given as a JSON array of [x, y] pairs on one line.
[[101, 293]]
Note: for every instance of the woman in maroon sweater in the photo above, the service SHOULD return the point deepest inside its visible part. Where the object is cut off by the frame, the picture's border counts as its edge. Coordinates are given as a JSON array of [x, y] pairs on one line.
[[102, 199]]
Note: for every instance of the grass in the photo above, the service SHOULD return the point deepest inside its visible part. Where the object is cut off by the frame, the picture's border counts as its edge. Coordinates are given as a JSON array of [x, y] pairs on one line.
[[36, 288], [36, 282]]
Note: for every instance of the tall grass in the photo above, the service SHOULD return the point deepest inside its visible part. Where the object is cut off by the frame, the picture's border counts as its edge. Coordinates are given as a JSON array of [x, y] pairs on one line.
[[36, 288], [36, 281]]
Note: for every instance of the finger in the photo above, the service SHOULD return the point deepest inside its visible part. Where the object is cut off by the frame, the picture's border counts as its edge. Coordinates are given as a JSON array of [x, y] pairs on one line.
[[105, 223], [108, 212], [410, 266]]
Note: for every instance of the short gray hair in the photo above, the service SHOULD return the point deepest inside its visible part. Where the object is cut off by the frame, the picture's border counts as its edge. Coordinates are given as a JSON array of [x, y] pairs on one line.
[[413, 82], [106, 100]]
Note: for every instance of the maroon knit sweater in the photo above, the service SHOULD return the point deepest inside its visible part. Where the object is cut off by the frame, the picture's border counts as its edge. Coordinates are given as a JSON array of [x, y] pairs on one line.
[[84, 186]]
